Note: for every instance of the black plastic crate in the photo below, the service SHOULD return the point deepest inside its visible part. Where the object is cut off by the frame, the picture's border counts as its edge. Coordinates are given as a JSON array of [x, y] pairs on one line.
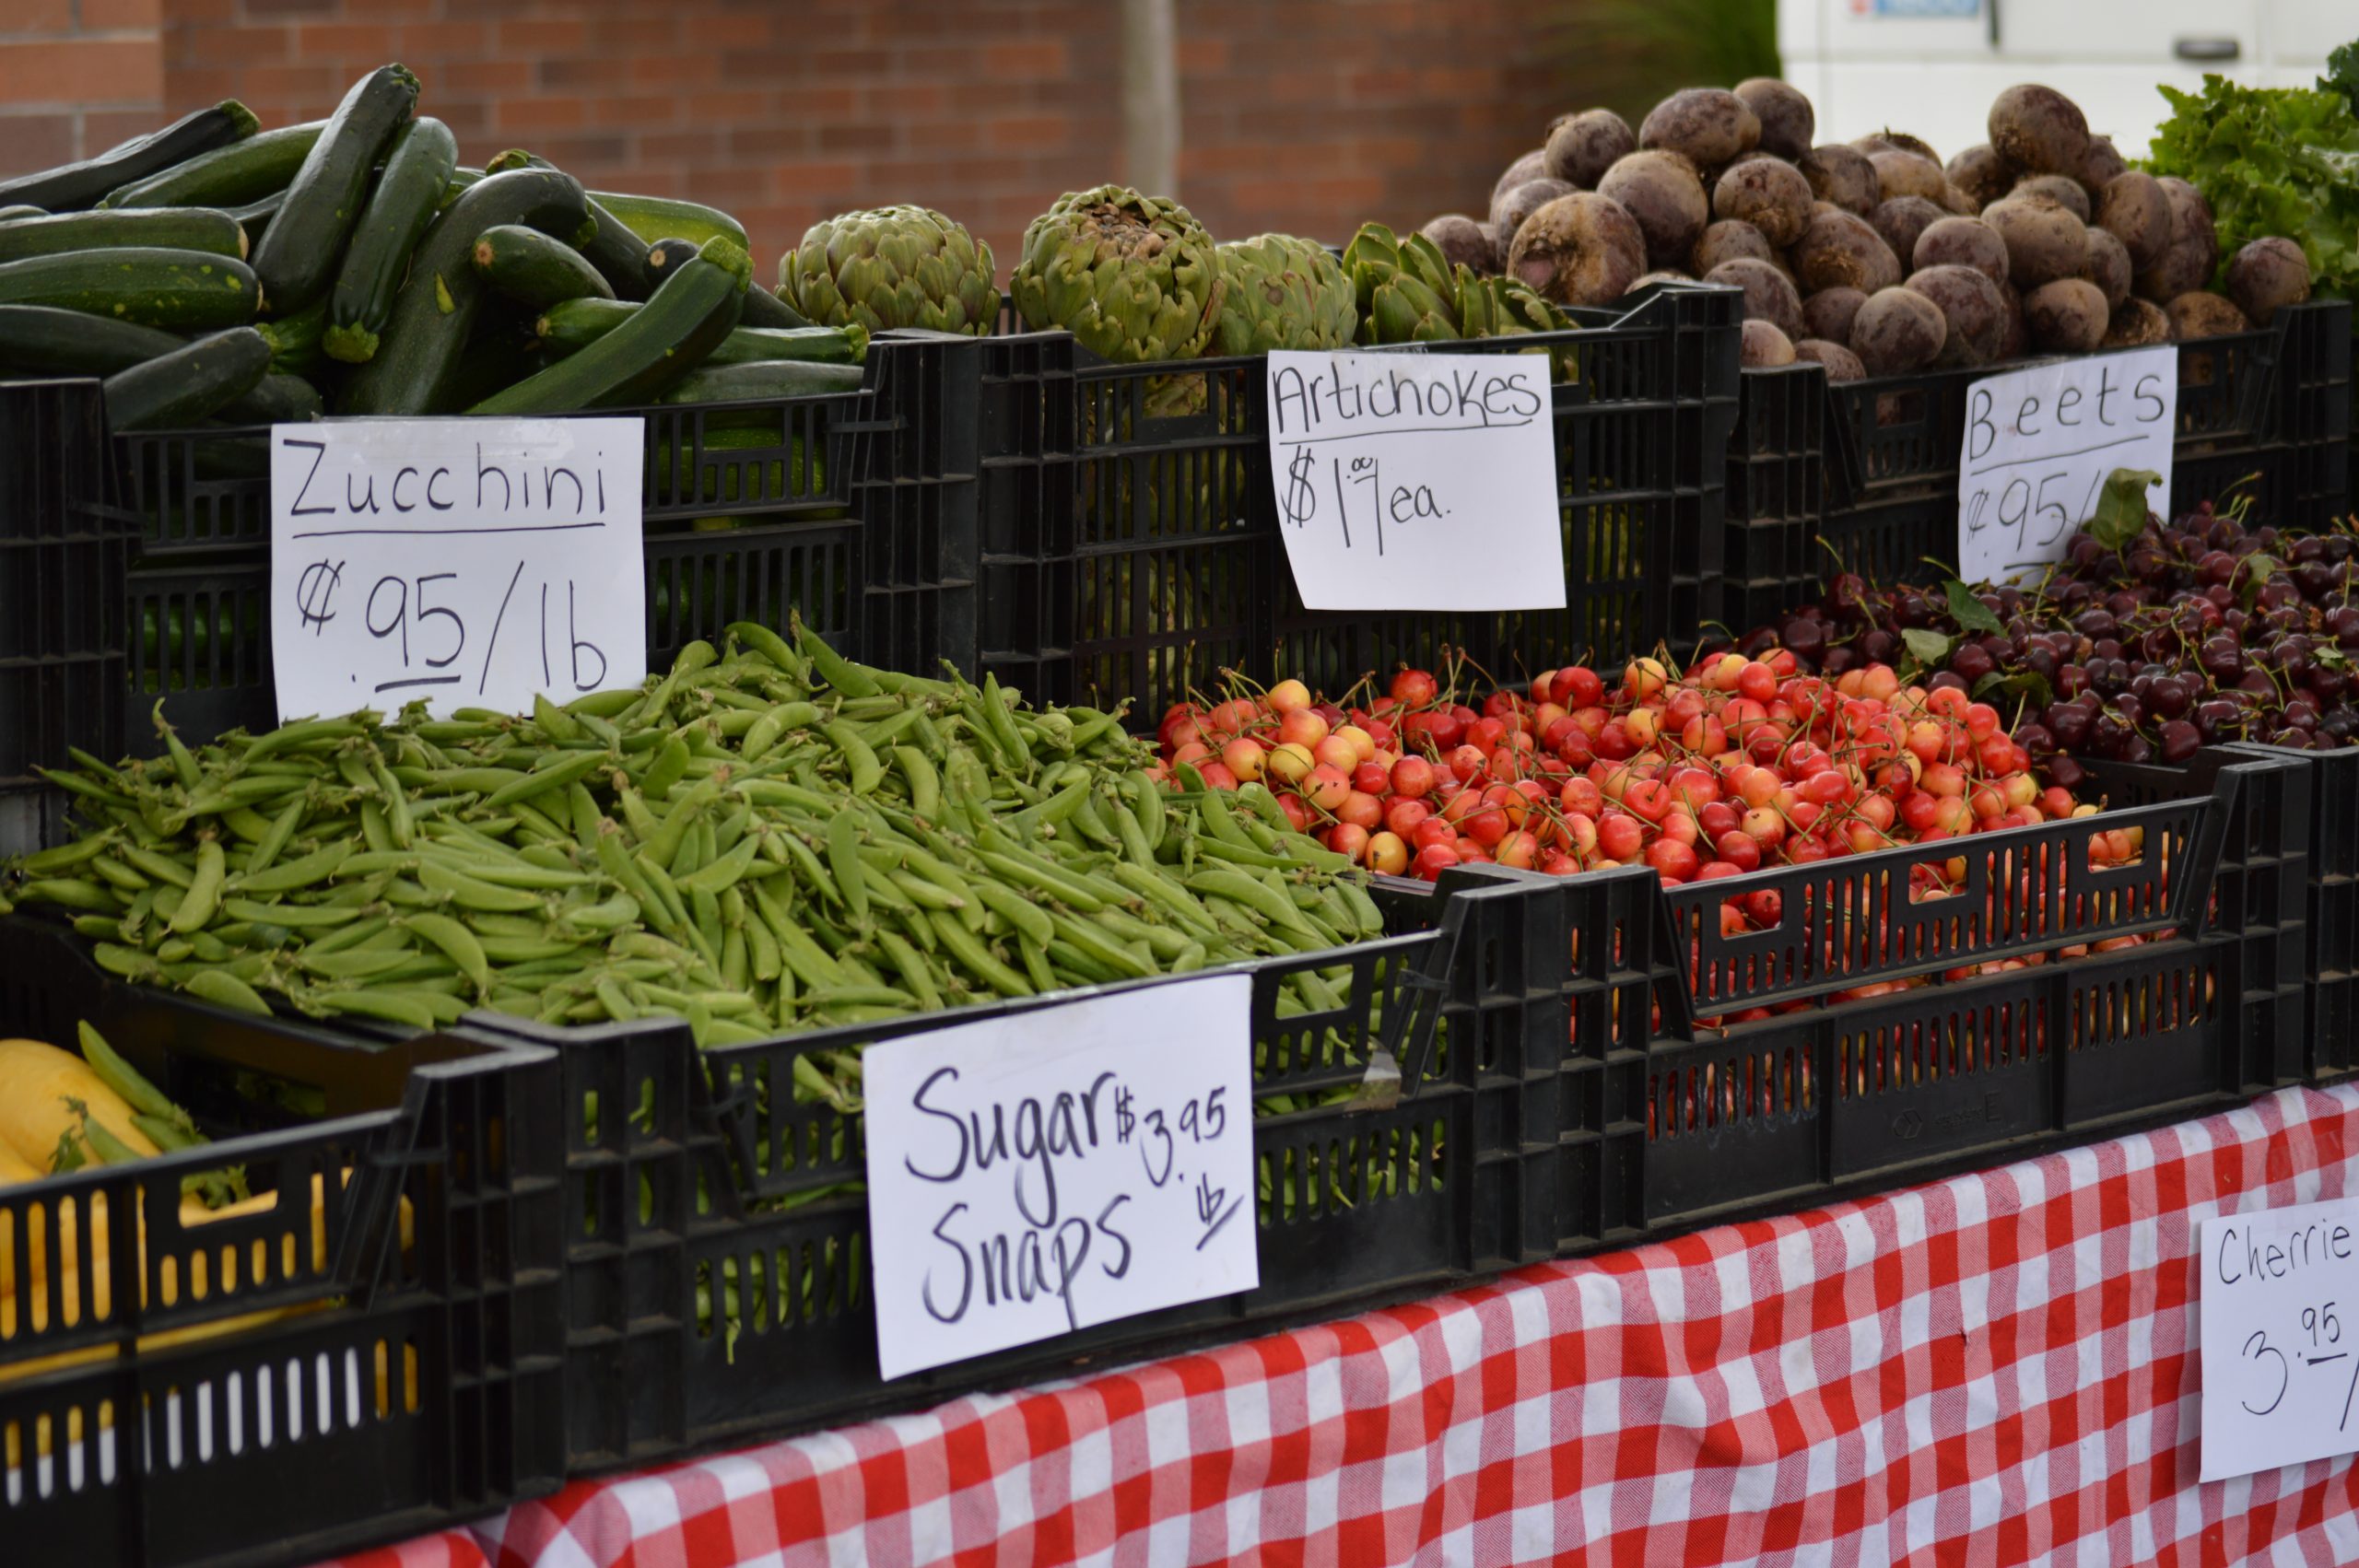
[[409, 1387], [1866, 472], [1423, 1181], [62, 554], [1130, 545], [879, 558], [1678, 1117]]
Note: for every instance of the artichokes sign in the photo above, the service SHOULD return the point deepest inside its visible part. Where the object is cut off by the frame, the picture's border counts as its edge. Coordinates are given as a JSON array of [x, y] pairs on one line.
[[1416, 480]]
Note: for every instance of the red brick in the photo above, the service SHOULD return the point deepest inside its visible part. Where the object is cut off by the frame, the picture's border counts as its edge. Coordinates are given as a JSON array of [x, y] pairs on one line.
[[744, 105], [205, 84], [83, 71], [695, 148], [292, 83], [811, 179], [1032, 57], [728, 29], [345, 43], [493, 77], [282, 8], [440, 40], [35, 17], [675, 70], [32, 142], [543, 36], [856, 138], [102, 129], [633, 33], [583, 71], [266, 43], [639, 112], [470, 121], [1019, 132], [770, 144], [527, 116], [1203, 56], [122, 15]]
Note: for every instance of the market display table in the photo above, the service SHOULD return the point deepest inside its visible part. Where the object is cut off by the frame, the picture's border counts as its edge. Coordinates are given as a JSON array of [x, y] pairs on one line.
[[1996, 1369]]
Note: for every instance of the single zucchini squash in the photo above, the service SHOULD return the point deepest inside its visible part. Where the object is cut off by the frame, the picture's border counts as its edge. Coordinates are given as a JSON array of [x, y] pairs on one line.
[[85, 184], [255, 217], [570, 327], [182, 290], [460, 180], [497, 360], [660, 218], [617, 254], [663, 341], [297, 259], [170, 229], [768, 380], [434, 314], [294, 347], [230, 176], [418, 171], [763, 308], [535, 270], [191, 383], [10, 214], [275, 400], [46, 340]]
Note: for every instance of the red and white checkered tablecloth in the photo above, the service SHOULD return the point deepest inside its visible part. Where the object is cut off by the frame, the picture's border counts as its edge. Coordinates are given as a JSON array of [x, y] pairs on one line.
[[1996, 1369]]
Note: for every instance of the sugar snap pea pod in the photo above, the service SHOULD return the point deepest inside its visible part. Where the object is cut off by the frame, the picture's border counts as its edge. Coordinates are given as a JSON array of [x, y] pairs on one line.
[[514, 949], [1240, 889], [360, 930], [298, 736], [1100, 947], [292, 917], [1026, 916], [555, 721], [1028, 823], [843, 676], [247, 825], [664, 843], [696, 849], [468, 893], [66, 856], [969, 952], [458, 943], [159, 867], [925, 784], [74, 783], [992, 701], [758, 639], [1089, 820], [916, 972], [723, 871], [866, 771], [373, 829], [1165, 942], [843, 860], [604, 704], [1068, 890], [354, 963], [274, 842], [915, 890], [541, 781], [1035, 958], [114, 873], [408, 1007], [128, 962], [610, 914], [667, 767], [202, 898]]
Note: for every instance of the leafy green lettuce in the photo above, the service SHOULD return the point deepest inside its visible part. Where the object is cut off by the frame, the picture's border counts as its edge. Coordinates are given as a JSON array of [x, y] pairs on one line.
[[2271, 160]]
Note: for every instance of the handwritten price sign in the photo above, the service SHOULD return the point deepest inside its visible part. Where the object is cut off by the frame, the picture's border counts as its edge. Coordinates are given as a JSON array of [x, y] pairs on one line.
[[2038, 445], [1416, 482], [463, 563], [1036, 1174], [2280, 1298]]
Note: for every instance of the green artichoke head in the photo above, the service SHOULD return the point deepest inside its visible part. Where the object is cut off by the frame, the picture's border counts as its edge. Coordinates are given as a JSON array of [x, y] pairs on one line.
[[1283, 293], [1402, 287], [887, 267], [1134, 278]]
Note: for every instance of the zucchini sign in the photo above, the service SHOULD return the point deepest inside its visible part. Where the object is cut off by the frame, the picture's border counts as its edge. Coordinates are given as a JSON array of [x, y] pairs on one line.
[[461, 563]]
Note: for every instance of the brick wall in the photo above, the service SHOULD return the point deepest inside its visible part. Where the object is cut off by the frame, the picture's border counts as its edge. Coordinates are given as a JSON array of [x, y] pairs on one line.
[[77, 76], [1309, 116]]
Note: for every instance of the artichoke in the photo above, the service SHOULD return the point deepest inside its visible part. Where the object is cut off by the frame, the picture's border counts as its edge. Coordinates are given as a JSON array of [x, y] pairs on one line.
[[888, 268], [1134, 278], [1282, 293], [1404, 290]]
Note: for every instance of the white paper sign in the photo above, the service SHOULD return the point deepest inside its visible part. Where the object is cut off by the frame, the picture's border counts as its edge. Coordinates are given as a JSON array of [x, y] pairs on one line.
[[2279, 1297], [470, 563], [1034, 1174], [1416, 480], [2039, 442]]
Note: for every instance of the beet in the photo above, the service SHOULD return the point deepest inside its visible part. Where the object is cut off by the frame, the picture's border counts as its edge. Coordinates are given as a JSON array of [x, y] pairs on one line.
[[1583, 147]]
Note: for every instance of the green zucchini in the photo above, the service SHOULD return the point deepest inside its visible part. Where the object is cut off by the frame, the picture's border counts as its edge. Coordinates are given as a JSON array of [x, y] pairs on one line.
[[764, 309], [276, 400], [83, 184], [434, 314], [178, 389], [660, 218], [243, 171], [460, 180], [768, 380], [184, 290], [171, 228], [10, 214], [572, 326], [534, 270], [619, 255], [297, 256], [418, 171], [255, 218], [663, 341], [295, 341], [49, 340], [496, 361]]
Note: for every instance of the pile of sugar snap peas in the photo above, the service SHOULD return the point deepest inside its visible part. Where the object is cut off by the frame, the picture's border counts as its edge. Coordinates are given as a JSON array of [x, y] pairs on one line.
[[767, 838]]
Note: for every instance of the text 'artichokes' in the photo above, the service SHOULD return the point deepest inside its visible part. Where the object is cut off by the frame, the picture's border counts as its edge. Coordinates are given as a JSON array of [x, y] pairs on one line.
[[1282, 293], [1133, 277], [887, 267]]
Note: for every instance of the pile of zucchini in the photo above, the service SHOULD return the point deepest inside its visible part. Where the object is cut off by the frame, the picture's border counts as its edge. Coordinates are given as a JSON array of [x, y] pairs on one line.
[[216, 273]]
